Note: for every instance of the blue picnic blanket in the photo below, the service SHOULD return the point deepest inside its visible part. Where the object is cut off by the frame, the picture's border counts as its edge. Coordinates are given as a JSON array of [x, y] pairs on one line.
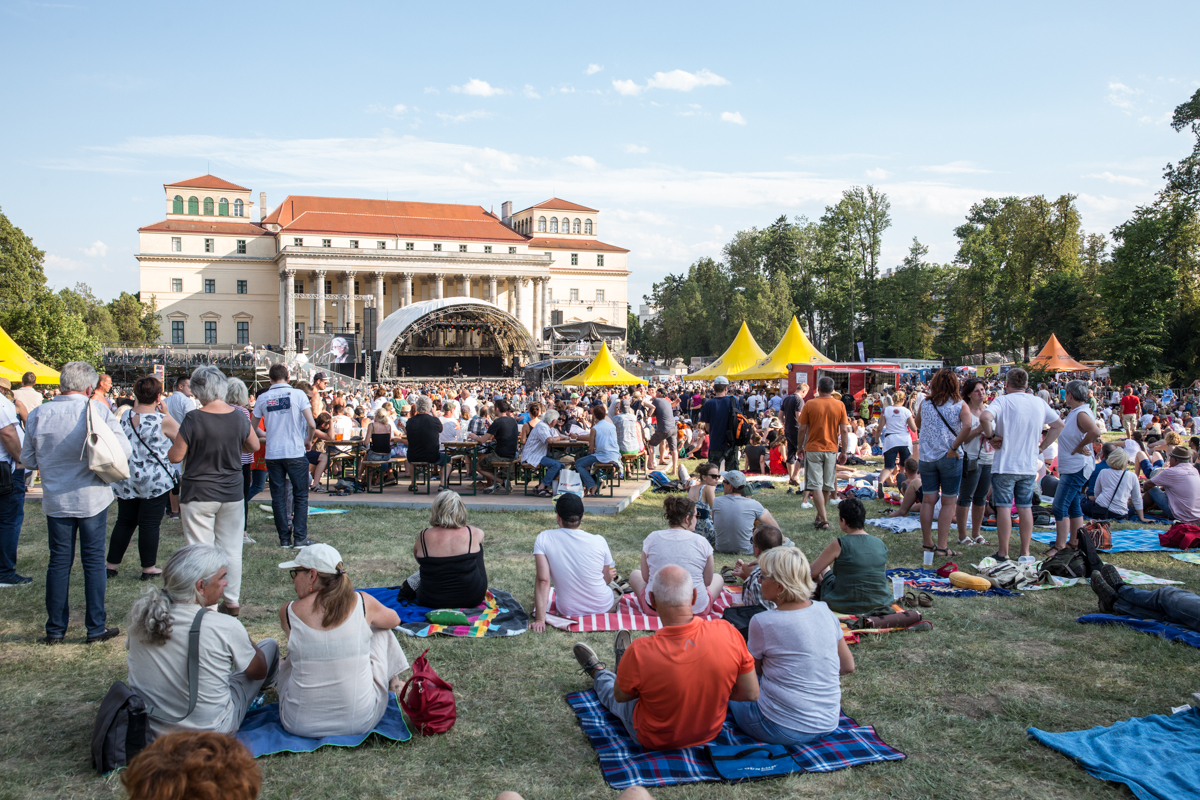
[[1126, 540], [498, 615], [927, 580], [1167, 630], [624, 763], [1157, 757], [263, 734]]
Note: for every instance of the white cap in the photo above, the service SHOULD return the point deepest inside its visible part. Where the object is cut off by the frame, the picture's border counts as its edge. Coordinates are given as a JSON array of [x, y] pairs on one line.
[[320, 557]]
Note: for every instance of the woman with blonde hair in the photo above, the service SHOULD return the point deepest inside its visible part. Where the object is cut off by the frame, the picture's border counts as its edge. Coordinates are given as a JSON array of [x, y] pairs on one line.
[[449, 555], [1117, 491], [343, 657], [799, 654]]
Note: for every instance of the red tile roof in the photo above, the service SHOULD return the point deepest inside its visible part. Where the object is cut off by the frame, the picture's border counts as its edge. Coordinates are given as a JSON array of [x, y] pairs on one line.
[[590, 245], [562, 205], [227, 228], [344, 215], [209, 182]]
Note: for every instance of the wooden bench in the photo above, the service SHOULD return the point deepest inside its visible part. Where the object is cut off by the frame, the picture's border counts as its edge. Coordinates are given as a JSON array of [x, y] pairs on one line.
[[381, 467], [611, 471], [506, 474], [634, 464]]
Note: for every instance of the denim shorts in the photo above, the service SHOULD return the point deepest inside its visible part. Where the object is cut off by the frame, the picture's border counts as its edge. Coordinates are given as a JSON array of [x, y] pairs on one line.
[[944, 474], [1068, 499], [1007, 486], [896, 454]]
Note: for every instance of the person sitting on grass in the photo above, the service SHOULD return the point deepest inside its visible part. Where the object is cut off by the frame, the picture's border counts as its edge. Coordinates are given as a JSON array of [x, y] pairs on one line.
[[576, 563], [680, 545], [909, 483], [193, 764], [799, 655], [449, 555], [233, 669], [1168, 604], [852, 569], [766, 537], [343, 657], [1116, 490], [672, 689], [1176, 489], [736, 513]]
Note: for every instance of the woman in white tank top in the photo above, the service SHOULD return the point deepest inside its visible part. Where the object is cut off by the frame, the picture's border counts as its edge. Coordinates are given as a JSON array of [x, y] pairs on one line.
[[1075, 464]]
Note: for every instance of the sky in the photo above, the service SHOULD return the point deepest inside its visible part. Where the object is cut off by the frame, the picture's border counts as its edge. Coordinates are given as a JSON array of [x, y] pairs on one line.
[[681, 122]]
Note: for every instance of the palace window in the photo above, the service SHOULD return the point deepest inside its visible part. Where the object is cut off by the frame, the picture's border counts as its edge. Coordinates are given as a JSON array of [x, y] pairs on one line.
[[462, 248], [243, 333], [354, 244], [575, 229], [541, 224], [176, 244], [241, 287], [381, 245], [210, 245], [574, 295], [177, 205], [327, 243], [512, 251], [487, 248], [210, 286], [223, 208], [587, 227], [574, 259], [297, 242], [239, 208], [297, 286], [177, 331], [328, 287], [193, 206], [210, 331], [356, 287], [241, 247], [437, 248], [554, 224], [409, 245], [599, 261], [177, 285], [208, 206], [549, 292], [599, 295]]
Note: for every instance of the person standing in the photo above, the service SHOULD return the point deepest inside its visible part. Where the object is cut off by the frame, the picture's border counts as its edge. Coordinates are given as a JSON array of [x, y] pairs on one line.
[[789, 410], [665, 430], [179, 403], [12, 504], [1131, 408], [1015, 432], [944, 422], [100, 393], [822, 423], [715, 417], [895, 441], [290, 429], [74, 499], [1075, 465]]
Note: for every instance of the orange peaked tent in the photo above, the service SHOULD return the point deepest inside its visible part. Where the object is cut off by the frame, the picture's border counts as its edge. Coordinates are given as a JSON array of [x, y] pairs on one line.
[[604, 371], [793, 348], [1054, 357], [742, 354], [14, 359]]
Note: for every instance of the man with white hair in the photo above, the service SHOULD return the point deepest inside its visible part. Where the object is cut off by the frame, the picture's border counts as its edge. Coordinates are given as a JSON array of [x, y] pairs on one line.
[[536, 451], [672, 689], [74, 498]]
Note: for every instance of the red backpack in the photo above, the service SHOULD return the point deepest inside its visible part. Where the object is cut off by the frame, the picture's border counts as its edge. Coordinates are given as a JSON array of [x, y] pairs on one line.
[[1181, 535], [427, 699]]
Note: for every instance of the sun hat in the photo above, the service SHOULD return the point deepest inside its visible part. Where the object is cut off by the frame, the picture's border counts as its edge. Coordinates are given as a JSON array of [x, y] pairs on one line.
[[1181, 452], [737, 479], [320, 557]]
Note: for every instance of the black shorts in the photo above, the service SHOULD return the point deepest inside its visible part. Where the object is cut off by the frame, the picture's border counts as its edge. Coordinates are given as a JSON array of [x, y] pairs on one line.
[[890, 457], [313, 457], [793, 445]]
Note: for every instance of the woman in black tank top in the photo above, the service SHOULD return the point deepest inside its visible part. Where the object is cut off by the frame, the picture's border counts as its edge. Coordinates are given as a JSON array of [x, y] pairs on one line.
[[457, 579]]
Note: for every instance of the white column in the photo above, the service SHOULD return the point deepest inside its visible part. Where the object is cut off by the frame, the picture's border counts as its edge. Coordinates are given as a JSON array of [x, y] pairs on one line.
[[466, 284], [380, 307], [545, 320], [350, 303], [492, 289], [289, 307], [437, 287], [320, 315], [408, 288], [519, 285], [282, 313], [508, 283]]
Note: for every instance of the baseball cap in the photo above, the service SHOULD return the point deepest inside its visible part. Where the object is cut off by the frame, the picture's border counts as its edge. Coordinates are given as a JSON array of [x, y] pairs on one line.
[[320, 557], [569, 505], [574, 395], [737, 480], [720, 380], [320, 376]]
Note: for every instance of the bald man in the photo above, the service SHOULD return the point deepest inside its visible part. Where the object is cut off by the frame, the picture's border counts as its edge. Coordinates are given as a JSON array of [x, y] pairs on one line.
[[672, 689]]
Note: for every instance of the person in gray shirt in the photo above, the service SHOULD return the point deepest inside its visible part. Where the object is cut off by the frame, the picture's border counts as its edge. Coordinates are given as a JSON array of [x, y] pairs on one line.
[[74, 499], [736, 514], [665, 430]]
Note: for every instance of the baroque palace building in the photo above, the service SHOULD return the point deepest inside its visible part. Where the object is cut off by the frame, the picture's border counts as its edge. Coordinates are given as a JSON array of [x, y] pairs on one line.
[[312, 264]]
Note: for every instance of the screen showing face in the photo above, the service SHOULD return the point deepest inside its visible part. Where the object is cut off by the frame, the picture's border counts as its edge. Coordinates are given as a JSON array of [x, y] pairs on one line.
[[342, 349]]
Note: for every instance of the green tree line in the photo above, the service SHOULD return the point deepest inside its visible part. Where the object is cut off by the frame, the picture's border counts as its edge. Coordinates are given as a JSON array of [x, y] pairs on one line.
[[1024, 269]]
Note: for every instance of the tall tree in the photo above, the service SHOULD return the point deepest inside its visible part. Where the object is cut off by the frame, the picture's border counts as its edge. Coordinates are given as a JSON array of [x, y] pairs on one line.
[[21, 265], [136, 322]]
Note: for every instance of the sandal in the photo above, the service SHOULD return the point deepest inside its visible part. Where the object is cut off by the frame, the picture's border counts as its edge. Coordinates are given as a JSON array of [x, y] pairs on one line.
[[821, 526], [1052, 551], [945, 552], [910, 598], [925, 600], [979, 540]]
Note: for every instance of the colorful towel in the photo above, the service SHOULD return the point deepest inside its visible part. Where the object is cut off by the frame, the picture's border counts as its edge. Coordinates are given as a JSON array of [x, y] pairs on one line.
[[1187, 558], [630, 615], [1157, 757], [263, 735], [927, 580], [313, 511], [1126, 540], [624, 763], [1132, 577], [499, 615], [1166, 630]]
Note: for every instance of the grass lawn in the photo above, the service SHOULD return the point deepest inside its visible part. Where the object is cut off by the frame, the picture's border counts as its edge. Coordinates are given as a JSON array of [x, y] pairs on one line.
[[957, 700]]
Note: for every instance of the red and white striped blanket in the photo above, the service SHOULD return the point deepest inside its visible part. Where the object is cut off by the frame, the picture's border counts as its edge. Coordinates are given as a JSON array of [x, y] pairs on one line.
[[630, 616]]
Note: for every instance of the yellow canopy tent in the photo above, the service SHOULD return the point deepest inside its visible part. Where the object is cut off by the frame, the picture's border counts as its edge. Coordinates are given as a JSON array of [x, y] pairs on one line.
[[604, 371], [742, 354], [13, 358], [1054, 357], [13, 377], [793, 348]]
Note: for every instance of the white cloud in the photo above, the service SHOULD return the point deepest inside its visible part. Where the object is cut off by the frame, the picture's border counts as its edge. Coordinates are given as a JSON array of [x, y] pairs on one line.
[[587, 162], [1111, 178], [97, 249], [1121, 96], [531, 93], [733, 116], [877, 174], [63, 271], [391, 111], [955, 168], [478, 88], [682, 81], [470, 115], [626, 87], [636, 148], [431, 90], [592, 69], [1161, 119]]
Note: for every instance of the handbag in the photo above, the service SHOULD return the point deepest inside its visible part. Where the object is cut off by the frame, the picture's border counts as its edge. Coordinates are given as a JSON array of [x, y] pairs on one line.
[[969, 464], [1100, 532], [103, 452], [740, 616], [174, 476], [569, 481], [120, 730], [427, 699]]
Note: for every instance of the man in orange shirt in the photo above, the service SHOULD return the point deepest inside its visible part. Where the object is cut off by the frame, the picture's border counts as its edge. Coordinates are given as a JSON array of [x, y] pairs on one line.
[[823, 420], [672, 689]]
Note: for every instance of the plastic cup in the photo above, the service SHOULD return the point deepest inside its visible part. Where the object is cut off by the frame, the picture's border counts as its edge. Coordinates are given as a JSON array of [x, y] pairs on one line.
[[928, 558], [1026, 560], [897, 587]]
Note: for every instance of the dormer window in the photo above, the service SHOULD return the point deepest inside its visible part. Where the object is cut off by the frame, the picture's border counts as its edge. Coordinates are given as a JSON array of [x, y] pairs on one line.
[[587, 227], [177, 205], [239, 208], [223, 208], [541, 224], [554, 224]]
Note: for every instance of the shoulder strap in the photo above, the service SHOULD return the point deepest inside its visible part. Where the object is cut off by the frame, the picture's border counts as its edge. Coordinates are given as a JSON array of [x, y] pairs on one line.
[[424, 550], [193, 671], [134, 428], [1113, 496]]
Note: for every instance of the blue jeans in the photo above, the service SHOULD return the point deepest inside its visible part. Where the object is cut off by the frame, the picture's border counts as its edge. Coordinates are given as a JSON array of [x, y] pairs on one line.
[[1167, 604], [92, 533], [1009, 485], [585, 474], [1068, 498], [945, 473], [1160, 499], [752, 723], [552, 469], [605, 682], [253, 482], [296, 472], [12, 515]]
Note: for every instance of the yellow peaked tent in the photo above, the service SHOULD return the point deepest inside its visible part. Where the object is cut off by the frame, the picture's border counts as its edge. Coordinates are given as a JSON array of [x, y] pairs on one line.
[[793, 348], [742, 354], [604, 371], [14, 359], [1054, 357]]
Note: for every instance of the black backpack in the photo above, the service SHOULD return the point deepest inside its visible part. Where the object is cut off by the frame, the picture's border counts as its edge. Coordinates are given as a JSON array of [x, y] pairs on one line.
[[740, 428], [1066, 563], [120, 730]]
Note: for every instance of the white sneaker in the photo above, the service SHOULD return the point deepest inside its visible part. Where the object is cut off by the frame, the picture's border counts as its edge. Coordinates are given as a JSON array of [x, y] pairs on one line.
[[806, 505], [247, 540]]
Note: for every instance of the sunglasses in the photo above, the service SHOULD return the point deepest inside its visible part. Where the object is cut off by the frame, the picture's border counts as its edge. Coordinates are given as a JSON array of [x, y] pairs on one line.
[[710, 475], [294, 571]]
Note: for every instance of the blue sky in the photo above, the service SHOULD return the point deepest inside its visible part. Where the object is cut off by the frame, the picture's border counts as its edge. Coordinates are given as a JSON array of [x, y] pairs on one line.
[[681, 122]]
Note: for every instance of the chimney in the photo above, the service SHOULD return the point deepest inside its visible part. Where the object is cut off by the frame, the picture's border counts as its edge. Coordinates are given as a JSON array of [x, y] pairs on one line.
[[506, 212], [262, 206]]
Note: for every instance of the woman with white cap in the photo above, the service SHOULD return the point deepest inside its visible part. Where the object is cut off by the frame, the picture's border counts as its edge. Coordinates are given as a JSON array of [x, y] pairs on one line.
[[343, 657]]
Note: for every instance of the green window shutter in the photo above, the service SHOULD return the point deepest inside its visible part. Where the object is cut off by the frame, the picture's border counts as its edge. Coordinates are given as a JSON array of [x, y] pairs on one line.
[[177, 205], [223, 208], [208, 206], [193, 206]]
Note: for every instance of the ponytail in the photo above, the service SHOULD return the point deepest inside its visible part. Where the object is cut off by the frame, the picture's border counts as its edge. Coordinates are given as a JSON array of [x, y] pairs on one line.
[[335, 597]]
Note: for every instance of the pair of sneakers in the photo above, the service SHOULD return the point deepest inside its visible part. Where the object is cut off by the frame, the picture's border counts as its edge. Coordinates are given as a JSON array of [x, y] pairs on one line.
[[296, 541], [591, 663]]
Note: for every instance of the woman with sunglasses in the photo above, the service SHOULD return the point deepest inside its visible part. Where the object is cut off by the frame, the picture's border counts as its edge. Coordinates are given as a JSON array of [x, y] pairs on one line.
[[343, 657], [704, 494]]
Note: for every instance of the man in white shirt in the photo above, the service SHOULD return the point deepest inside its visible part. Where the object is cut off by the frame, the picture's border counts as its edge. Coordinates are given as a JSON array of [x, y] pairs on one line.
[[1015, 432], [30, 397], [12, 505], [290, 429], [578, 564]]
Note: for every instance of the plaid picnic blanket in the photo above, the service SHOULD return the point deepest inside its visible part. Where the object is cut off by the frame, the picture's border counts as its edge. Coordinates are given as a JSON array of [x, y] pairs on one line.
[[499, 615], [624, 763], [1126, 540], [927, 580], [1166, 630], [630, 615]]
